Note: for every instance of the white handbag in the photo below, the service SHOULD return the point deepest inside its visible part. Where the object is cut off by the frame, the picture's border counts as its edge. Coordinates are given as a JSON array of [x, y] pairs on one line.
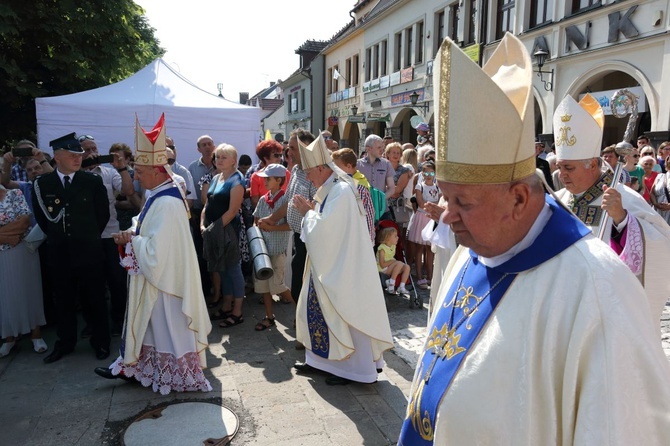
[[35, 238]]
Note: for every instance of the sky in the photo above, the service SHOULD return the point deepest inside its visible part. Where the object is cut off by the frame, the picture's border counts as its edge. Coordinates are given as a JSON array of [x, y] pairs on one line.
[[243, 44]]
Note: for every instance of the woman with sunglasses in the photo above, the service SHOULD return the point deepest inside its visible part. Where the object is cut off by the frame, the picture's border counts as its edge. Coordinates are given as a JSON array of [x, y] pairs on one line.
[[631, 157], [268, 152]]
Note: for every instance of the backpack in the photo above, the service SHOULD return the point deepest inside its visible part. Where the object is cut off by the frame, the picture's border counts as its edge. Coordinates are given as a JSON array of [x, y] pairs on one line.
[[378, 201]]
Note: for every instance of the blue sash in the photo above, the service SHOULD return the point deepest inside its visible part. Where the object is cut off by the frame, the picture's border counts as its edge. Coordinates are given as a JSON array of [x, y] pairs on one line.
[[171, 192], [316, 323], [469, 303]]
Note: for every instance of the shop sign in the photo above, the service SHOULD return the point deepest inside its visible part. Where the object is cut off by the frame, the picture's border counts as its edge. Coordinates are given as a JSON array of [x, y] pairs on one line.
[[406, 75], [384, 82], [403, 98], [379, 117], [472, 52]]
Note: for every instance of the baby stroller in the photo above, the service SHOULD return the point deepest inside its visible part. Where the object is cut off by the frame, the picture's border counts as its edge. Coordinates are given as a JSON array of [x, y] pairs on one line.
[[416, 301]]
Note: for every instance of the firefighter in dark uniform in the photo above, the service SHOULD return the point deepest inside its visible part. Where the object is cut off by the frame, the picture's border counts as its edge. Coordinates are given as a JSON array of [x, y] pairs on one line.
[[72, 209]]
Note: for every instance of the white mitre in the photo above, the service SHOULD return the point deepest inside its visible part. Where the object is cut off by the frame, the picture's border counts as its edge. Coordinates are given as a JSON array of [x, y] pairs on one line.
[[485, 117], [578, 128]]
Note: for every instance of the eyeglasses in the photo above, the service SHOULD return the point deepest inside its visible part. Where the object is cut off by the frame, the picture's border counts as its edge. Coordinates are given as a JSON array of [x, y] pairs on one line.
[[85, 138], [171, 161], [636, 156], [170, 147], [428, 174], [327, 137]]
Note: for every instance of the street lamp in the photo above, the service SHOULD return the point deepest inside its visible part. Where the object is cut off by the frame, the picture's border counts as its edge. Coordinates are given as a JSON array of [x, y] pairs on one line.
[[219, 86], [540, 57], [354, 110], [414, 98]]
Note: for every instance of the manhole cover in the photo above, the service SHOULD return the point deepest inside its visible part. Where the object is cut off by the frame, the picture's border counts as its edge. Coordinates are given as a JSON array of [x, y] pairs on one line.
[[183, 424]]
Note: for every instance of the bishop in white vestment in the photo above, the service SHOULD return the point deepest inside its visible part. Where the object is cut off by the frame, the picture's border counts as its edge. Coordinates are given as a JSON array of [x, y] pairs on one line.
[[613, 211], [539, 335], [341, 315], [165, 333]]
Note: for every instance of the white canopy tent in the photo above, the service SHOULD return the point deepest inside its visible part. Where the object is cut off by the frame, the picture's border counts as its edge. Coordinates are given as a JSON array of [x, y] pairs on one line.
[[108, 113]]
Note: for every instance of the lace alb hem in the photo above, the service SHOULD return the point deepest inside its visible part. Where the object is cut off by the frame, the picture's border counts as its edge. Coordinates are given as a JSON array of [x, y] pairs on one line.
[[165, 372], [633, 249]]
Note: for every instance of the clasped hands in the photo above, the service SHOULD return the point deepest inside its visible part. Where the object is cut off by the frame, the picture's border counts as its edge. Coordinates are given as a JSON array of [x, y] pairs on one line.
[[123, 237]]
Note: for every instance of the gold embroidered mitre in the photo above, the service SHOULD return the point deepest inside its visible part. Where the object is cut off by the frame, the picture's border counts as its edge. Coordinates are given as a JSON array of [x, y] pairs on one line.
[[315, 154], [485, 121], [578, 128], [150, 146]]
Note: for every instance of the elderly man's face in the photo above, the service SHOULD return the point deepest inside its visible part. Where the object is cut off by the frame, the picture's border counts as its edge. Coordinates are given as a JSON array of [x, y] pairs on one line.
[[206, 148], [539, 148], [90, 148], [479, 215], [34, 169], [577, 176], [318, 175]]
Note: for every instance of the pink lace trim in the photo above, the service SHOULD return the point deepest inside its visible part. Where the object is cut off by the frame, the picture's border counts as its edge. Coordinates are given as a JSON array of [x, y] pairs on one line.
[[165, 372], [633, 248]]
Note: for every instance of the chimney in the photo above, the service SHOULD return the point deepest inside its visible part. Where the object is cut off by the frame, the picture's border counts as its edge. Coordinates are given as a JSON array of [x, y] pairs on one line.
[[244, 97]]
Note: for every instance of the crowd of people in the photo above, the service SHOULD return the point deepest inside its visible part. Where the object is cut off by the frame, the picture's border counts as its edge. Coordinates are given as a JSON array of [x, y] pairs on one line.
[[492, 236]]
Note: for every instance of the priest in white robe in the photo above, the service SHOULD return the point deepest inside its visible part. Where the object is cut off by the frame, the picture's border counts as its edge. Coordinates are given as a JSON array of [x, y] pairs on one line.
[[539, 336], [614, 212], [165, 333], [341, 316]]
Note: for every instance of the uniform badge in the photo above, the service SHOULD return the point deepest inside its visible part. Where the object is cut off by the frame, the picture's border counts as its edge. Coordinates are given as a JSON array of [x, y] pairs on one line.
[[50, 209], [57, 201]]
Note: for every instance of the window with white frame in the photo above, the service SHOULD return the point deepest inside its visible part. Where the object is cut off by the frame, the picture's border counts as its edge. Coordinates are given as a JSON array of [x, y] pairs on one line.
[[505, 20], [397, 54], [418, 50], [440, 30]]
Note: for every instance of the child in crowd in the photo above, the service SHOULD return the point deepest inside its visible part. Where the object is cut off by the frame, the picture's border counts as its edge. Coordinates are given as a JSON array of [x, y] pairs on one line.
[[425, 191], [276, 241], [387, 264]]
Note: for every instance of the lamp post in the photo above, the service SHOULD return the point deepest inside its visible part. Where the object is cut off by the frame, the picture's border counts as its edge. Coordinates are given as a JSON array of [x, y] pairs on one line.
[[414, 99], [219, 87], [354, 110], [540, 58]]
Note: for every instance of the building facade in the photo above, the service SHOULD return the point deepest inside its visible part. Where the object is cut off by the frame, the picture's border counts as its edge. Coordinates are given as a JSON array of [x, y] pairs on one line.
[[382, 60]]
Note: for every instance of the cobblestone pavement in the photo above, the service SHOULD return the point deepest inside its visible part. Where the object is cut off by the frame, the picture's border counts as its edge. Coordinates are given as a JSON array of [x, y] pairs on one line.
[[65, 403]]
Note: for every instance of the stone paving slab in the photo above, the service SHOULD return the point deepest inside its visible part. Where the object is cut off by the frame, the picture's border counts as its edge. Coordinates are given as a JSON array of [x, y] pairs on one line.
[[251, 372]]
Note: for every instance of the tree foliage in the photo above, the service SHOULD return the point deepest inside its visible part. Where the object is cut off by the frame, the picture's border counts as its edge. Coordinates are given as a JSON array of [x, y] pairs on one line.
[[56, 47]]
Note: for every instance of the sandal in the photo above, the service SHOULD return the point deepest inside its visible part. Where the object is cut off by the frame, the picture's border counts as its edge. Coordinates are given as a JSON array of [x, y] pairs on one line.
[[6, 348], [39, 345], [265, 323], [231, 321]]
